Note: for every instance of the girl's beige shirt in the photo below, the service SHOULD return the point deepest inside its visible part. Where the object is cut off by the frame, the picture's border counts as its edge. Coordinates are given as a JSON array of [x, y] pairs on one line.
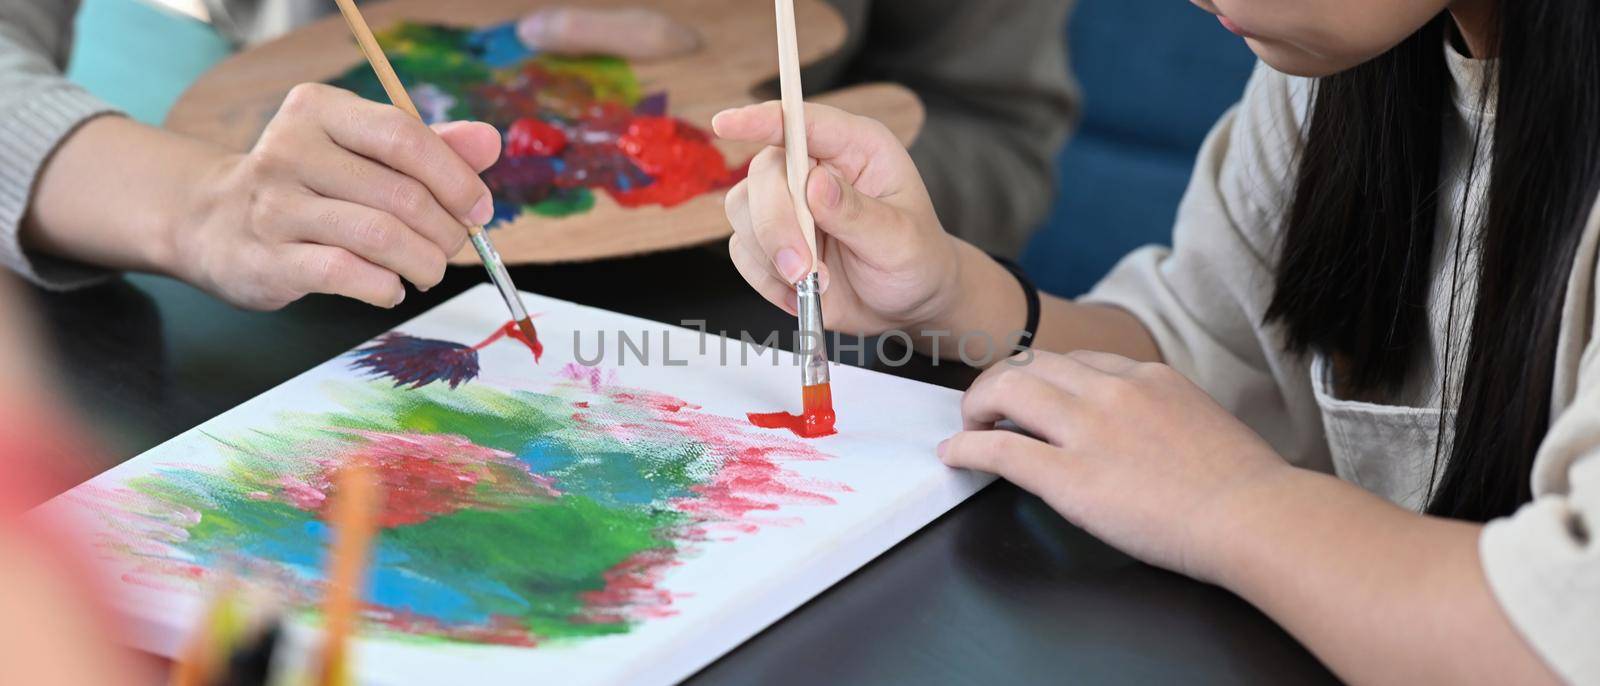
[[1204, 300]]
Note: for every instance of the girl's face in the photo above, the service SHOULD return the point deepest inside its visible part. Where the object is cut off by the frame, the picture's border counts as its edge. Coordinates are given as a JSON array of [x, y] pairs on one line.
[[1320, 37]]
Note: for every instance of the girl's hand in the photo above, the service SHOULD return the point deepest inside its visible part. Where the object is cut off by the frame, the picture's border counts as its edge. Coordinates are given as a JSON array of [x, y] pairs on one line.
[[887, 262], [1132, 452], [340, 195]]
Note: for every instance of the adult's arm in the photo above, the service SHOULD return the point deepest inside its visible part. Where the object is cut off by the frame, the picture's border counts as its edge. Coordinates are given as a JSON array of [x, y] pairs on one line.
[[1000, 102], [40, 109]]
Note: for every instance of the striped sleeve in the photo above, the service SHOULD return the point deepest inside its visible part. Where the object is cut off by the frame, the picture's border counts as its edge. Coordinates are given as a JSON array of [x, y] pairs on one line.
[[40, 110]]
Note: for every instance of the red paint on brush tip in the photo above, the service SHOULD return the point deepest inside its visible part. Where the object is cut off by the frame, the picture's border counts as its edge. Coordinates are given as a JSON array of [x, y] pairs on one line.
[[521, 331], [528, 335], [815, 420]]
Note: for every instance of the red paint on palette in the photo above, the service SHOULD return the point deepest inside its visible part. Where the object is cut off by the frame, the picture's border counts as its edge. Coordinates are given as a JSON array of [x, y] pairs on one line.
[[678, 156], [815, 420], [530, 136]]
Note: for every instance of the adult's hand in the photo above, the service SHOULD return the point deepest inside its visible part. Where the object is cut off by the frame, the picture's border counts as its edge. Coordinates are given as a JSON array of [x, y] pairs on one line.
[[340, 195]]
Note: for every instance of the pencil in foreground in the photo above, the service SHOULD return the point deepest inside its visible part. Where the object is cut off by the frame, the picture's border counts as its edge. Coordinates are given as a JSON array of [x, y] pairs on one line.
[[401, 99]]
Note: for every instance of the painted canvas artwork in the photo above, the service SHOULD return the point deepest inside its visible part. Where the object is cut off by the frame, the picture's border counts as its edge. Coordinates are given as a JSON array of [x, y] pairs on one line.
[[571, 126], [569, 507]]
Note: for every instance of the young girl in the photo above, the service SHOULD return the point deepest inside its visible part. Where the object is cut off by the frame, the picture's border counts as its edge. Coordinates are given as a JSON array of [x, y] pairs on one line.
[[1383, 270]]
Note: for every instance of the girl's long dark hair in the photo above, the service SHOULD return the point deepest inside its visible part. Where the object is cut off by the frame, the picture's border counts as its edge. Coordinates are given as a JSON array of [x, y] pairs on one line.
[[1352, 280]]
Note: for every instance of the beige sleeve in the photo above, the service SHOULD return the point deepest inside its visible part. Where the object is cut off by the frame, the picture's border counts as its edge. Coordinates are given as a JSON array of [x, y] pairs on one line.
[[1204, 298], [1543, 562], [38, 110]]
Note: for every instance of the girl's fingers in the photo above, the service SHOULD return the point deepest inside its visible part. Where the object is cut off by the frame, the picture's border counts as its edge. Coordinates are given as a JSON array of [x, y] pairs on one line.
[[325, 269], [1026, 462], [833, 135], [395, 138], [736, 206], [1108, 363], [1027, 400], [634, 33], [752, 265], [868, 225], [1078, 373], [772, 220], [344, 176], [377, 237]]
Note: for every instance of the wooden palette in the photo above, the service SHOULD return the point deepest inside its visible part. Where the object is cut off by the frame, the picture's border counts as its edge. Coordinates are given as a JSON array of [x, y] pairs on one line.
[[233, 102]]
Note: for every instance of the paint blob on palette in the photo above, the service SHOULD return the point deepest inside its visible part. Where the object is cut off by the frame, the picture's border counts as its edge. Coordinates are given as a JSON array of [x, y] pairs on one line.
[[608, 521], [570, 126]]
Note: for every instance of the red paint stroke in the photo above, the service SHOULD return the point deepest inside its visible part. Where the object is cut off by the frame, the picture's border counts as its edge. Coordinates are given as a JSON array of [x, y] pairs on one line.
[[749, 481], [423, 476], [752, 482], [653, 400], [815, 420], [522, 331], [500, 630], [631, 590], [418, 362]]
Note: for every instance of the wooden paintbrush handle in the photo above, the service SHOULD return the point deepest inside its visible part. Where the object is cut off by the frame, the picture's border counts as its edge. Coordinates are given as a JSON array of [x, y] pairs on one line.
[[374, 54], [380, 66], [796, 156]]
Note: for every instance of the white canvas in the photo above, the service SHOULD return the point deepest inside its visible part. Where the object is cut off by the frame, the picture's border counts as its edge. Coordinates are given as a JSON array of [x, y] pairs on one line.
[[879, 472]]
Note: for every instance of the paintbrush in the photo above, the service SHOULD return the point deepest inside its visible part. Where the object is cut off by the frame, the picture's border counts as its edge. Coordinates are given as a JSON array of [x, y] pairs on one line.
[[235, 642], [401, 99], [354, 523], [204, 656], [816, 394], [417, 362]]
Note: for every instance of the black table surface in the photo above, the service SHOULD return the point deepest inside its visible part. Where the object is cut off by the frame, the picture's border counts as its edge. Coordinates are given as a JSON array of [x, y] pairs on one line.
[[1000, 589]]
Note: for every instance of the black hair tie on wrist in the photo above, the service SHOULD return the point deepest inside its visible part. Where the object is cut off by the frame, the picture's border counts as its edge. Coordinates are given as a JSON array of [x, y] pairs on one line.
[[1029, 291]]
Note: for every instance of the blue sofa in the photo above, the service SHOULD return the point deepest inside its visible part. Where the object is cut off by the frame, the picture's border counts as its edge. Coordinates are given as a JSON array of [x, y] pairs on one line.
[[1155, 74]]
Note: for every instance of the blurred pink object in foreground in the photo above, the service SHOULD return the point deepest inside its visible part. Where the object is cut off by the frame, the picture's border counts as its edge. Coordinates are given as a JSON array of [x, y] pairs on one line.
[[54, 627]]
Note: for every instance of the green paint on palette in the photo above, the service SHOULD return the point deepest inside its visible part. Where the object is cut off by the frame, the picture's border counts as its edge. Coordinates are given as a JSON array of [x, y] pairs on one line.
[[610, 77], [574, 201], [594, 130]]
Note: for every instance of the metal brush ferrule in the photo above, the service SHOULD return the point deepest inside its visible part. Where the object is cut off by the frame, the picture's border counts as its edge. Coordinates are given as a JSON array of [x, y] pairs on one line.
[[812, 343], [497, 274]]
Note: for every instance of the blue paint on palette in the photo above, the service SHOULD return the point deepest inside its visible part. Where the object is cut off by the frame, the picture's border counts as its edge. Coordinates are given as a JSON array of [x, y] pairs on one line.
[[499, 46]]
